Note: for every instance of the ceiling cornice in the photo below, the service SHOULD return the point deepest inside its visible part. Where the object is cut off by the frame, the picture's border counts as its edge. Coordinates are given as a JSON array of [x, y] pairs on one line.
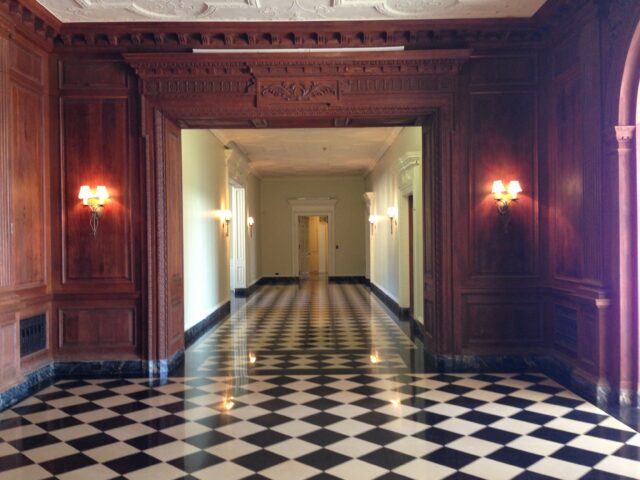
[[184, 36], [31, 19]]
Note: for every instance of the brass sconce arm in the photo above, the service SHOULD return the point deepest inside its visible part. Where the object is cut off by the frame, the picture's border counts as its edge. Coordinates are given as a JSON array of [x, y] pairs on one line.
[[504, 197], [95, 200]]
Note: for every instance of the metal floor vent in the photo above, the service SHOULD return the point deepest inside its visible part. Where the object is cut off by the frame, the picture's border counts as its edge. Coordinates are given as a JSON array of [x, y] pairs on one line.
[[33, 334]]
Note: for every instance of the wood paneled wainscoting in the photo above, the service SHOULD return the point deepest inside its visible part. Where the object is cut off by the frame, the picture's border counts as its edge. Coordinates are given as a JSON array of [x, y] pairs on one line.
[[26, 112], [527, 99]]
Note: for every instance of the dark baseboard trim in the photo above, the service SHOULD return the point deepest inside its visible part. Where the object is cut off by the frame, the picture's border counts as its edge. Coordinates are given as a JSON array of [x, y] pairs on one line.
[[100, 369], [246, 292], [602, 395], [32, 383], [278, 280], [390, 303], [352, 279], [203, 326], [161, 368], [417, 329], [480, 363]]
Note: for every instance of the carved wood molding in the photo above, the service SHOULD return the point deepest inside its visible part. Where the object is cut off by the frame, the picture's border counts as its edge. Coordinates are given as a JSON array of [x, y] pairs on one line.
[[625, 135], [291, 79], [32, 17], [414, 34], [299, 91]]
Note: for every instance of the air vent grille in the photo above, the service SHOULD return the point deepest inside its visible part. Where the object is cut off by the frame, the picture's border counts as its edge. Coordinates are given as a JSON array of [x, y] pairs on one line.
[[566, 327], [33, 334]]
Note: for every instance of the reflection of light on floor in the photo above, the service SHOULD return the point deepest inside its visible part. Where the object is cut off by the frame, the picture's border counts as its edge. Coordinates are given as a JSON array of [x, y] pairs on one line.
[[252, 358], [227, 403], [395, 402], [375, 358]]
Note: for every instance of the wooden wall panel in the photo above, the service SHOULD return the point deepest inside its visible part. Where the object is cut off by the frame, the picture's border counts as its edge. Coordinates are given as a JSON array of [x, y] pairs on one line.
[[29, 187], [25, 261], [498, 322], [92, 74], [97, 328], [95, 146], [28, 63], [9, 355], [503, 146], [5, 170], [516, 69], [567, 178]]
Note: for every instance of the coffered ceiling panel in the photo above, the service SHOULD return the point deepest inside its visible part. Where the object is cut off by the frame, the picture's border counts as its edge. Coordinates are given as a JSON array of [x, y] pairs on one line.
[[311, 151], [284, 10]]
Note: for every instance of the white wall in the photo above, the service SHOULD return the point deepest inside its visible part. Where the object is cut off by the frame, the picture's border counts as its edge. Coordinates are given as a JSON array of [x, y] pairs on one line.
[[276, 221], [206, 249], [253, 241], [390, 184]]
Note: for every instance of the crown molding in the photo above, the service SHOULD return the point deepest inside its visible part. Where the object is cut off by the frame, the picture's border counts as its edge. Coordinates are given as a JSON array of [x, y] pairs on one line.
[[31, 19], [411, 34]]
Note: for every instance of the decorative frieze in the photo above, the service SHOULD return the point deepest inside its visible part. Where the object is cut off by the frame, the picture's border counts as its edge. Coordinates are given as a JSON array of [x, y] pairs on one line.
[[297, 79]]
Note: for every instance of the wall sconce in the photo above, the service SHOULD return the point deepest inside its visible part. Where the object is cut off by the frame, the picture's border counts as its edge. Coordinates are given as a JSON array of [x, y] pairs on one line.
[[250, 223], [504, 197], [95, 200], [225, 217], [373, 219], [392, 213]]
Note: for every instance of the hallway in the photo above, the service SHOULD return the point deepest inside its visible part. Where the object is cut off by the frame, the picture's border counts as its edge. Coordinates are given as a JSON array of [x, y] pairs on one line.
[[313, 381]]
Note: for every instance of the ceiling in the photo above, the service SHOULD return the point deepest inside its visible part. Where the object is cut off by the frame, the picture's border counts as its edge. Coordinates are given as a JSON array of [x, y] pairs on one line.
[[284, 10], [311, 151]]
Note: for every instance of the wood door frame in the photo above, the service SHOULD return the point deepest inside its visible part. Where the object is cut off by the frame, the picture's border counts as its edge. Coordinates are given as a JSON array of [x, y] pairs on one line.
[[411, 255], [322, 90], [308, 207]]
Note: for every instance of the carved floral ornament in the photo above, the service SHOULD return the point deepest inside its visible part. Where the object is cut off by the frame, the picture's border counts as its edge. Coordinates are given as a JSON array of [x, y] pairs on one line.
[[284, 10], [299, 91]]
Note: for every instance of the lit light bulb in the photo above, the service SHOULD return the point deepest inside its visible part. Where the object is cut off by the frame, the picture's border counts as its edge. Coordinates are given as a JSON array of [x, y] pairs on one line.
[[498, 189], [514, 189], [101, 194]]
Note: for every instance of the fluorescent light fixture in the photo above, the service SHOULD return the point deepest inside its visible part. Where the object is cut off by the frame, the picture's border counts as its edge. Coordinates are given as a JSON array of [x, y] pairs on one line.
[[399, 48]]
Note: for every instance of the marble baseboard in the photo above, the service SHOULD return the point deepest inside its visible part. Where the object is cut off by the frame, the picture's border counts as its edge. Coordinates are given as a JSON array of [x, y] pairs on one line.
[[32, 383], [390, 303], [163, 368], [351, 279], [601, 394], [417, 329], [246, 292], [480, 363], [203, 326], [278, 280], [100, 369]]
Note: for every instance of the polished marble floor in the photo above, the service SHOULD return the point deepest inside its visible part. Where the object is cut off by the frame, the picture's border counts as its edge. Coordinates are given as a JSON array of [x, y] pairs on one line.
[[315, 382]]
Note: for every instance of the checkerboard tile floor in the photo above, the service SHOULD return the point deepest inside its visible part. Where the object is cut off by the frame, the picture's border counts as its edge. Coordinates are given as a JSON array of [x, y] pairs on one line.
[[382, 423]]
